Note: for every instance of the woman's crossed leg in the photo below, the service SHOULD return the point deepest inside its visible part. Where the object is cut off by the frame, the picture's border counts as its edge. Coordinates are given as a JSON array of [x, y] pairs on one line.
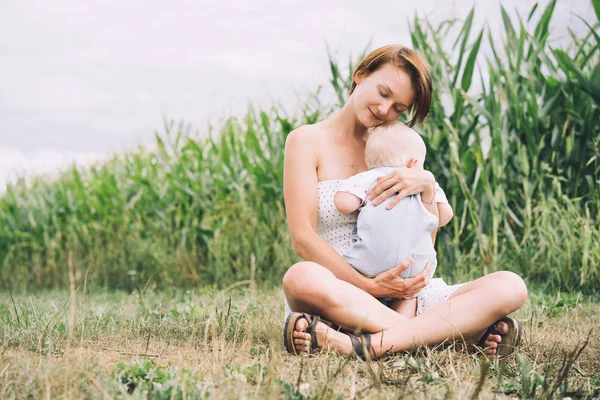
[[311, 288]]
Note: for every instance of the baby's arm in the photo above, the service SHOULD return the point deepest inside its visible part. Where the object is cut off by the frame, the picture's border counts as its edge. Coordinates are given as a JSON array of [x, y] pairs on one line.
[[439, 207], [351, 192], [444, 210], [444, 207], [346, 203], [434, 209], [446, 214]]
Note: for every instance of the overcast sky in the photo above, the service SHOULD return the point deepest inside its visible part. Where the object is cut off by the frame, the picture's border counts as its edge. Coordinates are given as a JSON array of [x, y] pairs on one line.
[[82, 79]]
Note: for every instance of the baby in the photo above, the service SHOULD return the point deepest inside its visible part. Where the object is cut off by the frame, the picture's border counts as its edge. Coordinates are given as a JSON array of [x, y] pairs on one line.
[[383, 238]]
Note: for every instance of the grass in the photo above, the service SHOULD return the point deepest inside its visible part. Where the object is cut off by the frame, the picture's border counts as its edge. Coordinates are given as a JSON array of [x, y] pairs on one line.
[[227, 344], [520, 161]]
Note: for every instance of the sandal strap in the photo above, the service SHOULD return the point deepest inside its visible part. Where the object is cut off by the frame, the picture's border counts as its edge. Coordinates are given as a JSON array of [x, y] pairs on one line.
[[491, 330], [357, 344], [514, 333], [512, 339], [311, 329]]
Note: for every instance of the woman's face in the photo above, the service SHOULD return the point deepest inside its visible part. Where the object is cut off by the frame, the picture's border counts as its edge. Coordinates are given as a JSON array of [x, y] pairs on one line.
[[382, 96]]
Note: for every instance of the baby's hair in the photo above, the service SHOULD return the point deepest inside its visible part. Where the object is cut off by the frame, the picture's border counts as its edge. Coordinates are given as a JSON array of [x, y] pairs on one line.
[[393, 144]]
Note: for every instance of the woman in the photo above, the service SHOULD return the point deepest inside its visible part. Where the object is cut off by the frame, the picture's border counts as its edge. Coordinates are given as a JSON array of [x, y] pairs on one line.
[[387, 83]]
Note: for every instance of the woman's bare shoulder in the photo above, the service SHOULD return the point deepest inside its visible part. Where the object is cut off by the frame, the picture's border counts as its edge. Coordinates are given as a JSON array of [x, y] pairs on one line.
[[305, 134]]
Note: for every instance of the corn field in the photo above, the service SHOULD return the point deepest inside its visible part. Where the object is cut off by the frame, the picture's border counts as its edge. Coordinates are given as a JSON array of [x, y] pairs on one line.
[[518, 157]]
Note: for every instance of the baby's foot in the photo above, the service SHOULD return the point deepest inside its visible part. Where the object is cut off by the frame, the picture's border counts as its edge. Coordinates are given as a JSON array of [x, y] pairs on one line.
[[326, 338], [492, 341]]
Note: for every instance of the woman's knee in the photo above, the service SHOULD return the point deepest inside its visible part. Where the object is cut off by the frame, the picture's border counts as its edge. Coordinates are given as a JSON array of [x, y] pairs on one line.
[[305, 280], [512, 291]]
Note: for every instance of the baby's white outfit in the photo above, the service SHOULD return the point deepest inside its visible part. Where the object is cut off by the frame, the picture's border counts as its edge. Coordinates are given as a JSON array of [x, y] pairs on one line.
[[384, 238], [336, 229]]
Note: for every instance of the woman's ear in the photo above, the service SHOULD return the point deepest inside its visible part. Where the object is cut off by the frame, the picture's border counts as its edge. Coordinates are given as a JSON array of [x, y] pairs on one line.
[[358, 76], [412, 163]]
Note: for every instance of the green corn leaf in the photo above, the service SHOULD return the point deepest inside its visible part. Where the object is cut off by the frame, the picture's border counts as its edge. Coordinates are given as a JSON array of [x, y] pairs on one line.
[[568, 66], [161, 146], [470, 65], [465, 32], [508, 27], [286, 127], [513, 216], [595, 79], [549, 106], [532, 12], [520, 48], [420, 35], [195, 147], [508, 230], [541, 29], [265, 122], [594, 32], [524, 160]]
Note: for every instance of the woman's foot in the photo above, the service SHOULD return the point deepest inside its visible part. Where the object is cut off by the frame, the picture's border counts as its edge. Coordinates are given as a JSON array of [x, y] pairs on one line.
[[503, 337], [341, 342], [326, 338], [491, 343]]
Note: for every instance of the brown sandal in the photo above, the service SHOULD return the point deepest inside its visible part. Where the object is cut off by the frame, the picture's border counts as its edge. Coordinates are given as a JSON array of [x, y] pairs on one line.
[[360, 346], [509, 341], [288, 331], [359, 343]]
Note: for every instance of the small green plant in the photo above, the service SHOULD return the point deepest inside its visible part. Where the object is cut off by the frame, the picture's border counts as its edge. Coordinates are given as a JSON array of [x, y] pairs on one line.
[[529, 383], [556, 304], [141, 375], [145, 380]]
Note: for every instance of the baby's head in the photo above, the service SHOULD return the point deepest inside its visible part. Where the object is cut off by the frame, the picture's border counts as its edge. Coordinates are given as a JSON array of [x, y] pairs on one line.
[[394, 144]]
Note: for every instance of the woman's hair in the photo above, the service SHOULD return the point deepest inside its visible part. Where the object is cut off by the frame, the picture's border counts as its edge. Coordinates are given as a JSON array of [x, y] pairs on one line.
[[409, 61], [393, 144]]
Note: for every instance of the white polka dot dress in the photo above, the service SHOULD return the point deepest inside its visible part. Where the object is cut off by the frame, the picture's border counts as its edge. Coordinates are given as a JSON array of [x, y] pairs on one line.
[[436, 292], [336, 229], [333, 226]]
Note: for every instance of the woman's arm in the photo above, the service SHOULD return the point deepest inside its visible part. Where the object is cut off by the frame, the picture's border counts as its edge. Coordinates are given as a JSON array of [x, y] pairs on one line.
[[405, 182], [300, 190]]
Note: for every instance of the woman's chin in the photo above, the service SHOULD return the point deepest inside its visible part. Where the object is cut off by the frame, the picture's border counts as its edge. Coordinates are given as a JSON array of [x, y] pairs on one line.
[[369, 122], [373, 124]]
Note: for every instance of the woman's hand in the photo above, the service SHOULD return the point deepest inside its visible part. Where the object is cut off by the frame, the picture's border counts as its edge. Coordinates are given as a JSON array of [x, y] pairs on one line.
[[390, 284], [405, 182]]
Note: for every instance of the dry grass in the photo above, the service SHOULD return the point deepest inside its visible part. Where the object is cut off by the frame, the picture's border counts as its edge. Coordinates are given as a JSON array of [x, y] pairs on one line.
[[228, 345]]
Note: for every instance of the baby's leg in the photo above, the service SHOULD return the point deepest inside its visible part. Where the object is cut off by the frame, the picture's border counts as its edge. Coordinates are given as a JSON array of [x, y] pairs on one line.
[[406, 307]]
